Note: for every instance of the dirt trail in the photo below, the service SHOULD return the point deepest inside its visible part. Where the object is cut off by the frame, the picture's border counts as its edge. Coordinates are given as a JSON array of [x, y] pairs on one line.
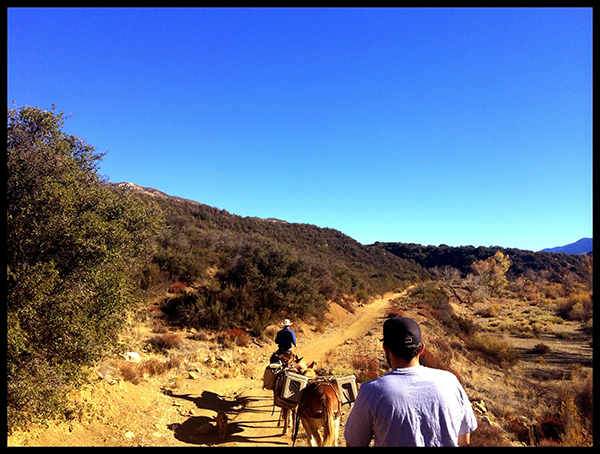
[[355, 326], [148, 414], [252, 421], [256, 423]]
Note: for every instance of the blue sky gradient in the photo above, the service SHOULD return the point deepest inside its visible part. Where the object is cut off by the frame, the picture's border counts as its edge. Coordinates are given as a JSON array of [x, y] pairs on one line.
[[431, 126]]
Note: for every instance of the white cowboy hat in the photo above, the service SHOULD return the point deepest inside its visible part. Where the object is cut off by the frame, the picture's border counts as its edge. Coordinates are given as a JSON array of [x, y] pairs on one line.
[[286, 322]]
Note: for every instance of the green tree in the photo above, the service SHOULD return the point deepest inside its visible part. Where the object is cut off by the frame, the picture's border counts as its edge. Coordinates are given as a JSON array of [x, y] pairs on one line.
[[72, 245]]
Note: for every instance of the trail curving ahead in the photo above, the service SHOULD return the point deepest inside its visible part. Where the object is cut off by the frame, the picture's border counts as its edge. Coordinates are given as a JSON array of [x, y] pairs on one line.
[[256, 423], [357, 325]]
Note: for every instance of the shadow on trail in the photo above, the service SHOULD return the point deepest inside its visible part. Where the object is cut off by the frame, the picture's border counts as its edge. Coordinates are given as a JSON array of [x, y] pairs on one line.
[[202, 430], [212, 401]]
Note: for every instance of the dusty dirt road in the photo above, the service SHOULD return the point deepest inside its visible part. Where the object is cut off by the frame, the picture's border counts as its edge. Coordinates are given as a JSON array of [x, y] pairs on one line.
[[253, 419], [356, 325]]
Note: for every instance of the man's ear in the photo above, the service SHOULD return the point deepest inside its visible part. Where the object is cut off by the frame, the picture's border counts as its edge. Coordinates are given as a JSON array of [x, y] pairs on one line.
[[385, 349], [422, 347]]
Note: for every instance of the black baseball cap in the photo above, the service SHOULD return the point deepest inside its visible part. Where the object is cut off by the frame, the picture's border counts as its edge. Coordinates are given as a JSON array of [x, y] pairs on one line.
[[400, 332]]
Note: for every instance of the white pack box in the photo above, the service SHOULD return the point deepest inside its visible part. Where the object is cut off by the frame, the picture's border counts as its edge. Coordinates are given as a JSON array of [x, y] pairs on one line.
[[292, 387], [347, 387]]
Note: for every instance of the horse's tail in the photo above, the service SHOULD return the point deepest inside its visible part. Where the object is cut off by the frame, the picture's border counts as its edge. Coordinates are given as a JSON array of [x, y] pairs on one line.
[[329, 407], [296, 426]]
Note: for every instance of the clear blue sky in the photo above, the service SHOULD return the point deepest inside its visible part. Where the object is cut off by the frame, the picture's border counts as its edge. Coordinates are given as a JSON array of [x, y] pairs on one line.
[[430, 126]]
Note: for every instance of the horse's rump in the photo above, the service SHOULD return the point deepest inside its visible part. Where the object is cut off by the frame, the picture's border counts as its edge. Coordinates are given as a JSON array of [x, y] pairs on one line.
[[321, 407]]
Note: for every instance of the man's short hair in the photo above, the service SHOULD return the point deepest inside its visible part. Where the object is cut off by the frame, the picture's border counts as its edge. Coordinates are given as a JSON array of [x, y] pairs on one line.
[[408, 352]]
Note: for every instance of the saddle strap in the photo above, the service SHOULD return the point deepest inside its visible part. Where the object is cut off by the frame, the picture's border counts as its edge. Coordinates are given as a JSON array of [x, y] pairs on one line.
[[318, 414]]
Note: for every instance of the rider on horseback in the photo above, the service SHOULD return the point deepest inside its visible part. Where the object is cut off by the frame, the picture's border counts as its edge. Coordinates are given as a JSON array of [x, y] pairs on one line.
[[285, 339]]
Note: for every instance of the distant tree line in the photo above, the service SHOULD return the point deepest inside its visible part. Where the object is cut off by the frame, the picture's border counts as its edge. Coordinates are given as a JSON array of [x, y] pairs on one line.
[[551, 266]]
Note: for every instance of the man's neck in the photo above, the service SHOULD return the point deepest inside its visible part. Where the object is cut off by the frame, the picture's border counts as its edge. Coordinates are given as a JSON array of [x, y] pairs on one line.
[[400, 363]]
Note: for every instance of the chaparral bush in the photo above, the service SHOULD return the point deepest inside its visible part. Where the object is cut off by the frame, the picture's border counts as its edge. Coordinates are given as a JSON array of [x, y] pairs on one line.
[[72, 247]]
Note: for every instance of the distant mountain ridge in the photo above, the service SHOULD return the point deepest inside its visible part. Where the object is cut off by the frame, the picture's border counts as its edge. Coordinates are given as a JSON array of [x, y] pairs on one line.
[[582, 246]]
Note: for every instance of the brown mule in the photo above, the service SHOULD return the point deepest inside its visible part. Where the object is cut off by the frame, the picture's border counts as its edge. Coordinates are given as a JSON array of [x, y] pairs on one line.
[[320, 408]]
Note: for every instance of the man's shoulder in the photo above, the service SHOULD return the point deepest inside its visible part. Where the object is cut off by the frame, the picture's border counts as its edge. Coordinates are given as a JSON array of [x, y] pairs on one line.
[[376, 385], [439, 374], [285, 333], [413, 375]]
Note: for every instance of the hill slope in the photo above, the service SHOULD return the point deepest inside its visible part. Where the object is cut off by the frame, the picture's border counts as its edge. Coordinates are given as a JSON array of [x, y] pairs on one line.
[[247, 271]]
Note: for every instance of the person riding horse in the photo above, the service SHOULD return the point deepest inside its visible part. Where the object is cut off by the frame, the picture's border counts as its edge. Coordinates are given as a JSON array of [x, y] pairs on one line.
[[285, 339]]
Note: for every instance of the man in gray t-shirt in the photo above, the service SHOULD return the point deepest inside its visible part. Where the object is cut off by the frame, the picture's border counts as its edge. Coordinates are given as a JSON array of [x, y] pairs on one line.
[[412, 405]]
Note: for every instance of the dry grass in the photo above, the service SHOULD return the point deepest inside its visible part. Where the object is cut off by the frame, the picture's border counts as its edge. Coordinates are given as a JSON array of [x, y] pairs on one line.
[[166, 341], [234, 337], [365, 367], [545, 395], [488, 435], [497, 350], [137, 372]]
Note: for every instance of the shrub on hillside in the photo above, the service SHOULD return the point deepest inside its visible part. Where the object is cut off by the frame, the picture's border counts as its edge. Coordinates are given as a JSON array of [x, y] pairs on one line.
[[256, 282], [166, 341], [366, 368], [540, 348], [428, 359], [135, 372], [177, 287], [234, 337], [495, 350], [573, 431], [430, 294], [488, 435], [73, 246], [463, 324], [578, 307]]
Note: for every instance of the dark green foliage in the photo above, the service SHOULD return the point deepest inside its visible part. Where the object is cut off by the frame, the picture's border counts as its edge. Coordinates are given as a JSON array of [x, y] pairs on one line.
[[257, 279], [71, 248], [272, 278], [555, 267], [248, 271]]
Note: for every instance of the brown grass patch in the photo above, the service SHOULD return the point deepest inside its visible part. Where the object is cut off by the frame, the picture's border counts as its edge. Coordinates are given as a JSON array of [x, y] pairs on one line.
[[166, 341], [493, 349], [234, 337]]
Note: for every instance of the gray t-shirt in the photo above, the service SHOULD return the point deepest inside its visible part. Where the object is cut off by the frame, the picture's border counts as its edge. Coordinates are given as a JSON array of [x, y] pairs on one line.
[[414, 406]]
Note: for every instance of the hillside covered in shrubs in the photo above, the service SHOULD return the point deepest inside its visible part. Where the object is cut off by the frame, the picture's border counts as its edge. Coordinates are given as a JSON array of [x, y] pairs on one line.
[[82, 251], [248, 271]]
